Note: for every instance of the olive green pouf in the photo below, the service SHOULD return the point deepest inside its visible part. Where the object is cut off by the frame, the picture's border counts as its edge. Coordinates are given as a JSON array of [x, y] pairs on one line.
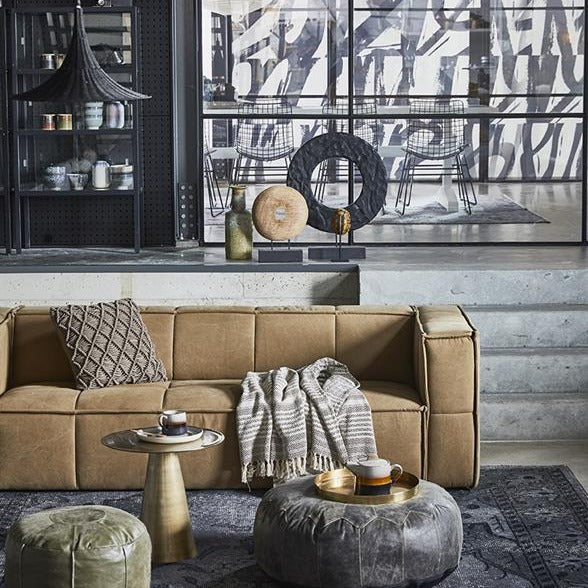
[[78, 546]]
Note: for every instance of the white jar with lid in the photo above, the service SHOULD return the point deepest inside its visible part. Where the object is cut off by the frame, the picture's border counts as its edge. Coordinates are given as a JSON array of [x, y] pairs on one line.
[[101, 175]]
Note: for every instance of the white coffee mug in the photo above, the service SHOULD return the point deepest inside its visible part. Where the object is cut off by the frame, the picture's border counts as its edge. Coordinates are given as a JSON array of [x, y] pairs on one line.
[[173, 422]]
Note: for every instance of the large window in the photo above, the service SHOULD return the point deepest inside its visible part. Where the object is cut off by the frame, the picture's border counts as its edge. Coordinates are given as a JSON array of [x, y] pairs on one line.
[[502, 81]]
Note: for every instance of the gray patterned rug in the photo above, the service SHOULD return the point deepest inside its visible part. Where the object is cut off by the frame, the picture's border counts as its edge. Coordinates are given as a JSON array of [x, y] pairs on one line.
[[492, 209], [524, 527]]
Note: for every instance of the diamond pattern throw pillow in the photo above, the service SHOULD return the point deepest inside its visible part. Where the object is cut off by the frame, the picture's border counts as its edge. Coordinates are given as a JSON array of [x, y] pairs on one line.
[[108, 344]]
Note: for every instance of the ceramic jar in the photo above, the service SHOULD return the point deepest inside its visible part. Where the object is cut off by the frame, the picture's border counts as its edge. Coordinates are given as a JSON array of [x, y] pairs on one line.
[[238, 227], [93, 115], [54, 177], [114, 115], [101, 175], [121, 176]]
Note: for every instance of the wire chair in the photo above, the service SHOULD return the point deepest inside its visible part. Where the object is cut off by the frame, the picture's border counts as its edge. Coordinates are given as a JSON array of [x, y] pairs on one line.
[[263, 138], [215, 199], [368, 130], [436, 133]]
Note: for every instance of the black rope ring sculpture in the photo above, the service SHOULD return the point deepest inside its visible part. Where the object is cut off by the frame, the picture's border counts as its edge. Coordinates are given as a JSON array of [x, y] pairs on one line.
[[344, 146]]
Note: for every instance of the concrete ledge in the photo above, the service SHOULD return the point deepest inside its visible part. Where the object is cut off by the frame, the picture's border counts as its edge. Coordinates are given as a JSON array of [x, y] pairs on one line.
[[474, 287], [181, 288], [534, 416]]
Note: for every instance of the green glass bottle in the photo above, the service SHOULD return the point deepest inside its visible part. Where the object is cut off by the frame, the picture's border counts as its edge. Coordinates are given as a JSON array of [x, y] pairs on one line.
[[238, 227]]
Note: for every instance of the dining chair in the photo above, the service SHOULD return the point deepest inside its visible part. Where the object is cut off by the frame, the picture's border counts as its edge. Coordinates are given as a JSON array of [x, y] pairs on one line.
[[215, 199], [264, 134], [435, 146], [363, 128]]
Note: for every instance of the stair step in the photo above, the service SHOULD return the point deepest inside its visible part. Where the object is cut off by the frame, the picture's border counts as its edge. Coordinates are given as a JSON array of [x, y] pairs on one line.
[[539, 370], [534, 416], [531, 326]]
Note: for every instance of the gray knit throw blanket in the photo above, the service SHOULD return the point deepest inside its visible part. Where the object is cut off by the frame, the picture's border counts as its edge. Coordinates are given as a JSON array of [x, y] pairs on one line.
[[291, 423]]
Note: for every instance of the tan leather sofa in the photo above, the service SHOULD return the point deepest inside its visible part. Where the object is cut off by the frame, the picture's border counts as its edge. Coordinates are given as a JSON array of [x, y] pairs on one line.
[[418, 368]]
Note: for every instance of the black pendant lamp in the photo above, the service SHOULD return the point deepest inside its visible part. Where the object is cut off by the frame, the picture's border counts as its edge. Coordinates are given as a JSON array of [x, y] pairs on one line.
[[80, 77]]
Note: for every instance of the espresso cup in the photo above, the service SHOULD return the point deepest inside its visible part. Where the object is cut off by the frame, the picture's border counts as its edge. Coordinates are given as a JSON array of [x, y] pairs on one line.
[[173, 422]]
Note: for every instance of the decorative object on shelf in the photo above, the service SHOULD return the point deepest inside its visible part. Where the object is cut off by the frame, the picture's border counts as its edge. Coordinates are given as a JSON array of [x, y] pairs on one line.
[[80, 78], [54, 177], [341, 222], [366, 206], [93, 115], [128, 115], [77, 181], [101, 175], [340, 225], [238, 227], [48, 122], [121, 176], [64, 122], [47, 61], [108, 54], [279, 214], [114, 115]]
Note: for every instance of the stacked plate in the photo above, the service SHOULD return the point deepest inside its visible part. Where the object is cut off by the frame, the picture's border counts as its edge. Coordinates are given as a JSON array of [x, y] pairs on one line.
[[154, 435]]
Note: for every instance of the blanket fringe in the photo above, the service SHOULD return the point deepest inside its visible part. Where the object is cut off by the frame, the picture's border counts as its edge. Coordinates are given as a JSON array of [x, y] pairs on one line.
[[284, 469]]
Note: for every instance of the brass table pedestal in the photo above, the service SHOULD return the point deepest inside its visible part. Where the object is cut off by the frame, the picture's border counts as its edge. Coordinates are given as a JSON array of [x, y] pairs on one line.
[[165, 506]]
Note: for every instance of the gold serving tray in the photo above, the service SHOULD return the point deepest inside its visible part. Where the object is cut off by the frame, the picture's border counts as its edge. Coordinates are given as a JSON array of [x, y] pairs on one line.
[[339, 486]]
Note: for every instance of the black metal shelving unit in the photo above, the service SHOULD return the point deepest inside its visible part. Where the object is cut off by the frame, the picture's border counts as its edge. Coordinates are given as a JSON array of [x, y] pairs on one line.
[[4, 151], [47, 30]]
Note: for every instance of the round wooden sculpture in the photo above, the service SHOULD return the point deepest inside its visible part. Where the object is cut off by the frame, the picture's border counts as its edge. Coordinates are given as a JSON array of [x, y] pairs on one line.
[[279, 213], [345, 146]]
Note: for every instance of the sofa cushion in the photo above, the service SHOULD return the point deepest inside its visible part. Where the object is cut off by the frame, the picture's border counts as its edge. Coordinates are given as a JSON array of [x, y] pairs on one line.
[[293, 337], [213, 342], [391, 396], [376, 343], [49, 397], [108, 344], [203, 395], [147, 397], [37, 352]]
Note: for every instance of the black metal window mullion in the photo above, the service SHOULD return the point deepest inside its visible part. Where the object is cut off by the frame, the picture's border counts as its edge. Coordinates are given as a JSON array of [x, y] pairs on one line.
[[350, 101]]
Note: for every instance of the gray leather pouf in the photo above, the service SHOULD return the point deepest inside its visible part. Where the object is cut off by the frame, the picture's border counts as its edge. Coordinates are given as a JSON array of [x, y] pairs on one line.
[[78, 546], [306, 540]]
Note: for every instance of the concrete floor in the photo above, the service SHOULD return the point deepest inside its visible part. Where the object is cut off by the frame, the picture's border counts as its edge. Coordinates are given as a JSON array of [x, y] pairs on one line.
[[571, 453], [559, 203]]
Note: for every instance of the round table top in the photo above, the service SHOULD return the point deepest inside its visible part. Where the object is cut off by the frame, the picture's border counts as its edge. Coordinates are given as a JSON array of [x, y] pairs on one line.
[[129, 441]]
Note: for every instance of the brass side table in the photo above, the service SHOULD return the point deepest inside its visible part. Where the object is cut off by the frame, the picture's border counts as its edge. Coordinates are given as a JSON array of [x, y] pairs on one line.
[[165, 506]]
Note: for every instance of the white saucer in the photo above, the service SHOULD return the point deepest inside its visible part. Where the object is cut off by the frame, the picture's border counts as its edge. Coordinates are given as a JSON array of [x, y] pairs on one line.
[[154, 435]]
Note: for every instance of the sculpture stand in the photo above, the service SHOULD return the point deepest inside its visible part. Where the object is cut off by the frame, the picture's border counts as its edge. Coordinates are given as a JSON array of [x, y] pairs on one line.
[[279, 255], [337, 253]]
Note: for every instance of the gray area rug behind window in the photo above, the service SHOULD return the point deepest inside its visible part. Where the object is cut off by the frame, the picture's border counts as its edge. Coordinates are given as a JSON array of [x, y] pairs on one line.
[[524, 527]]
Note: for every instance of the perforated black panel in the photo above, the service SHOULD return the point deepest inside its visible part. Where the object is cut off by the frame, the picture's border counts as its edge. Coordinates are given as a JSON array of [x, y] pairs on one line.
[[101, 221], [73, 222]]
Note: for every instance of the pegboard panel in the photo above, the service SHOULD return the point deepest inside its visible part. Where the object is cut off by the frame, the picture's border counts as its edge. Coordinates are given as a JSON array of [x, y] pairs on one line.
[[158, 181], [101, 221], [69, 221], [155, 55]]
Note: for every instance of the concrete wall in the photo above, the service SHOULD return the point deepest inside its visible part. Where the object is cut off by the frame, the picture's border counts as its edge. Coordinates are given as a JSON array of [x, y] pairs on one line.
[[534, 336], [181, 288]]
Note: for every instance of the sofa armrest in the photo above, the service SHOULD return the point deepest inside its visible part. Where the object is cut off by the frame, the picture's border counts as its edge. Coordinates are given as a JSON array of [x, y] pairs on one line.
[[6, 331], [447, 360]]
